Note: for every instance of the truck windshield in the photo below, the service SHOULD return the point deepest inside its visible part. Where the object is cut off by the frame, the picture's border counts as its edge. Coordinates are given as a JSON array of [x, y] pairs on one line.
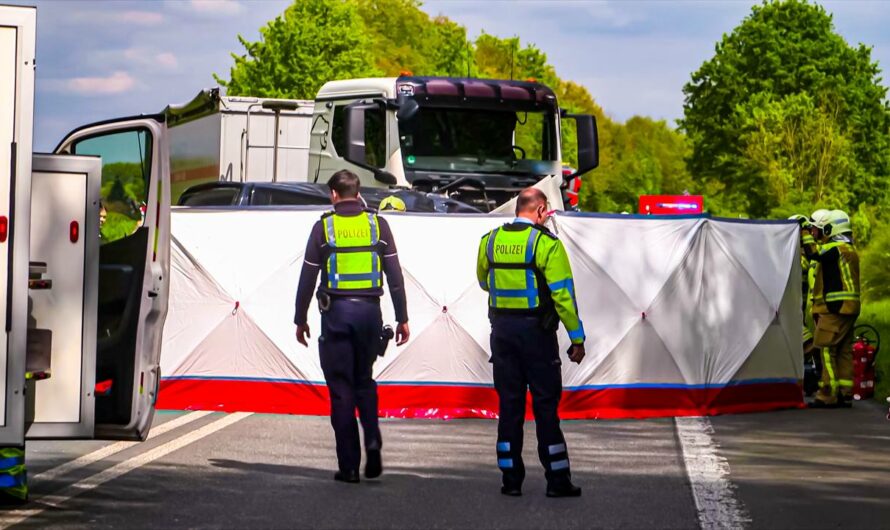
[[480, 141]]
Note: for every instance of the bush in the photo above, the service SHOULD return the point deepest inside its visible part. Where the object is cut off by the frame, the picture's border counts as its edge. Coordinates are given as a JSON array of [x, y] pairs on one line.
[[875, 265], [877, 314]]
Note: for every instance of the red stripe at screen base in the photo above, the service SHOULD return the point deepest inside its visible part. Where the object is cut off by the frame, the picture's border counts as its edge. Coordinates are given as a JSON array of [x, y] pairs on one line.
[[458, 401]]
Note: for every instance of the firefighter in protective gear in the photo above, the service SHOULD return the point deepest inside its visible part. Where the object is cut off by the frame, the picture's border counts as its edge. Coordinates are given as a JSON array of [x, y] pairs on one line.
[[836, 306], [353, 249], [526, 272], [807, 246]]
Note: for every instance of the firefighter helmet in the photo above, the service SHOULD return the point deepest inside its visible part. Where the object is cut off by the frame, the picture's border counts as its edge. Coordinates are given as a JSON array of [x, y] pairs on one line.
[[392, 204], [836, 223]]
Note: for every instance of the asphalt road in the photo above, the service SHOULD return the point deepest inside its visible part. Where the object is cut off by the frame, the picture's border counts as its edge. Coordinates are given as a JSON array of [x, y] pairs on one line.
[[789, 469]]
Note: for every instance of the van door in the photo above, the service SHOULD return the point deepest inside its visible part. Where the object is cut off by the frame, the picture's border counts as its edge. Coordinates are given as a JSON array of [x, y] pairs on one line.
[[62, 296], [17, 37], [134, 266]]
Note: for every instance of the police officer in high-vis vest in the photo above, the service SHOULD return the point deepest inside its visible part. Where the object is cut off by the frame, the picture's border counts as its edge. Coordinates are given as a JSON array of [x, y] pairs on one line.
[[353, 249], [836, 306], [526, 271]]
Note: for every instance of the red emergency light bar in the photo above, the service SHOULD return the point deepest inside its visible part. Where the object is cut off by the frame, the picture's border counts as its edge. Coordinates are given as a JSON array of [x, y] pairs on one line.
[[671, 204]]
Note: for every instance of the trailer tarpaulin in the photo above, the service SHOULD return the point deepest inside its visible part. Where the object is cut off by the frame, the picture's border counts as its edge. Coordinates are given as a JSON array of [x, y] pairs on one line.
[[684, 316]]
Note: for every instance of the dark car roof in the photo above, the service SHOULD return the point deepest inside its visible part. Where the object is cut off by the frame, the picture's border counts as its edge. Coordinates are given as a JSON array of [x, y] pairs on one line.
[[415, 201]]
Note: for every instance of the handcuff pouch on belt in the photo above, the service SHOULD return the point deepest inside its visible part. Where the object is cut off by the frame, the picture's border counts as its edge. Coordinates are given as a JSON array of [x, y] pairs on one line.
[[324, 301]]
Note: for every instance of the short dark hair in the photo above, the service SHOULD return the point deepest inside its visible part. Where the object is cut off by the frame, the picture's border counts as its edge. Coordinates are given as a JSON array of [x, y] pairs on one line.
[[345, 183], [528, 200]]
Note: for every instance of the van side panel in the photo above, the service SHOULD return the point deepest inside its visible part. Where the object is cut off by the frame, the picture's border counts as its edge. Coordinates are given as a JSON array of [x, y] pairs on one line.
[[17, 38]]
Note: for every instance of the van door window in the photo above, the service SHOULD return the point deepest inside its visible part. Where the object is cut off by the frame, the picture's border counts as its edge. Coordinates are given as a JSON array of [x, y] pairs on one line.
[[126, 169]]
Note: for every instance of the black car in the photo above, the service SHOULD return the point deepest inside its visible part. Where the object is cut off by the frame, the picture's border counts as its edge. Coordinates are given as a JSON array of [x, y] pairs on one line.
[[246, 194]]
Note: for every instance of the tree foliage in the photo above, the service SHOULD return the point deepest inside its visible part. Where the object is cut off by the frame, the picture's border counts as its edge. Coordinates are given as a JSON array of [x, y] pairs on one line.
[[796, 150], [312, 42], [787, 113], [647, 158]]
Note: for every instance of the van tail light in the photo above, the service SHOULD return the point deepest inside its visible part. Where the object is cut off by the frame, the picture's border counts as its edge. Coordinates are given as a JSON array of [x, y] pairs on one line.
[[4, 228], [74, 231]]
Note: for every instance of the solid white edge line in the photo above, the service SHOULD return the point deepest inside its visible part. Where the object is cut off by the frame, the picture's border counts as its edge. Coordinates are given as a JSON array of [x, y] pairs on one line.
[[709, 473], [93, 481], [109, 450]]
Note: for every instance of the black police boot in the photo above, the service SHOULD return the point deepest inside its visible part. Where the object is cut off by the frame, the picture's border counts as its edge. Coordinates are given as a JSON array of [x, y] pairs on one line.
[[511, 489], [563, 488], [350, 476], [373, 464]]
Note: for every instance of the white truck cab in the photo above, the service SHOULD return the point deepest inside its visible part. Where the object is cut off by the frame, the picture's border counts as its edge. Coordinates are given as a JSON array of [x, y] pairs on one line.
[[479, 141]]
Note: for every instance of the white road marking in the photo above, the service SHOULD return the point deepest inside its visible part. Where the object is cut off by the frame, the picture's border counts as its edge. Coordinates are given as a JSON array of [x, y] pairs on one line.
[[93, 481], [117, 447], [709, 476]]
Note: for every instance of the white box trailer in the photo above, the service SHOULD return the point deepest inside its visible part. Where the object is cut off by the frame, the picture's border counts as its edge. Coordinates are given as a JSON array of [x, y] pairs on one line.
[[234, 139]]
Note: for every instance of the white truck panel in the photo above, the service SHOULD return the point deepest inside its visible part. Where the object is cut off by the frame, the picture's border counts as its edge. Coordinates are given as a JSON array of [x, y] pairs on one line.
[[293, 144], [7, 134], [209, 140], [195, 153], [17, 44]]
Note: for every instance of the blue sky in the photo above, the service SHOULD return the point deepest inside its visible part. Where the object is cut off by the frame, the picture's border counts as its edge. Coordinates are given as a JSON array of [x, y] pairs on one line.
[[104, 59]]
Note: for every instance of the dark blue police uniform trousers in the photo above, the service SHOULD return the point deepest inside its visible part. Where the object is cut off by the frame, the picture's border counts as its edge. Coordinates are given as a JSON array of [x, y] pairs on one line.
[[350, 337], [526, 357]]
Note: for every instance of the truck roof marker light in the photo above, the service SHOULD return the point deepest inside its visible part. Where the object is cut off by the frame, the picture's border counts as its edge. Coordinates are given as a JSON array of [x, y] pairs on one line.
[[406, 73], [4, 228], [74, 231]]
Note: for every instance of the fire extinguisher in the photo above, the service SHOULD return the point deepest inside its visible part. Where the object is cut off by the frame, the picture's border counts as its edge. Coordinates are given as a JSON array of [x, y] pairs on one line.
[[865, 351]]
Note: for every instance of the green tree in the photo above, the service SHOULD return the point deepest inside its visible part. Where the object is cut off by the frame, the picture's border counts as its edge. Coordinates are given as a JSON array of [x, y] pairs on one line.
[[647, 158], [405, 38], [783, 49], [312, 42], [796, 152]]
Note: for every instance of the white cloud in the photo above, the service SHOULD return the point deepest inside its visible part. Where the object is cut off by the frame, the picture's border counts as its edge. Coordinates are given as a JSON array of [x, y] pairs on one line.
[[139, 18], [606, 14], [96, 86], [167, 60], [217, 7], [147, 58]]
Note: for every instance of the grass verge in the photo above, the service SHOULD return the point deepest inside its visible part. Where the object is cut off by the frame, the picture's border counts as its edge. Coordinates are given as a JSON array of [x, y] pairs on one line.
[[877, 314]]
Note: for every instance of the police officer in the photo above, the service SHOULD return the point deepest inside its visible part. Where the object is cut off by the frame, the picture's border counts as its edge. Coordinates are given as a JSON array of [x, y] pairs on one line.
[[836, 306], [526, 271], [352, 248]]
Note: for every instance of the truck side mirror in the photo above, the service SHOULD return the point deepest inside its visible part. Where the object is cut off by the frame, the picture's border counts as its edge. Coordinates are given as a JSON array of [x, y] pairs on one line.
[[588, 144], [408, 107], [354, 116]]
